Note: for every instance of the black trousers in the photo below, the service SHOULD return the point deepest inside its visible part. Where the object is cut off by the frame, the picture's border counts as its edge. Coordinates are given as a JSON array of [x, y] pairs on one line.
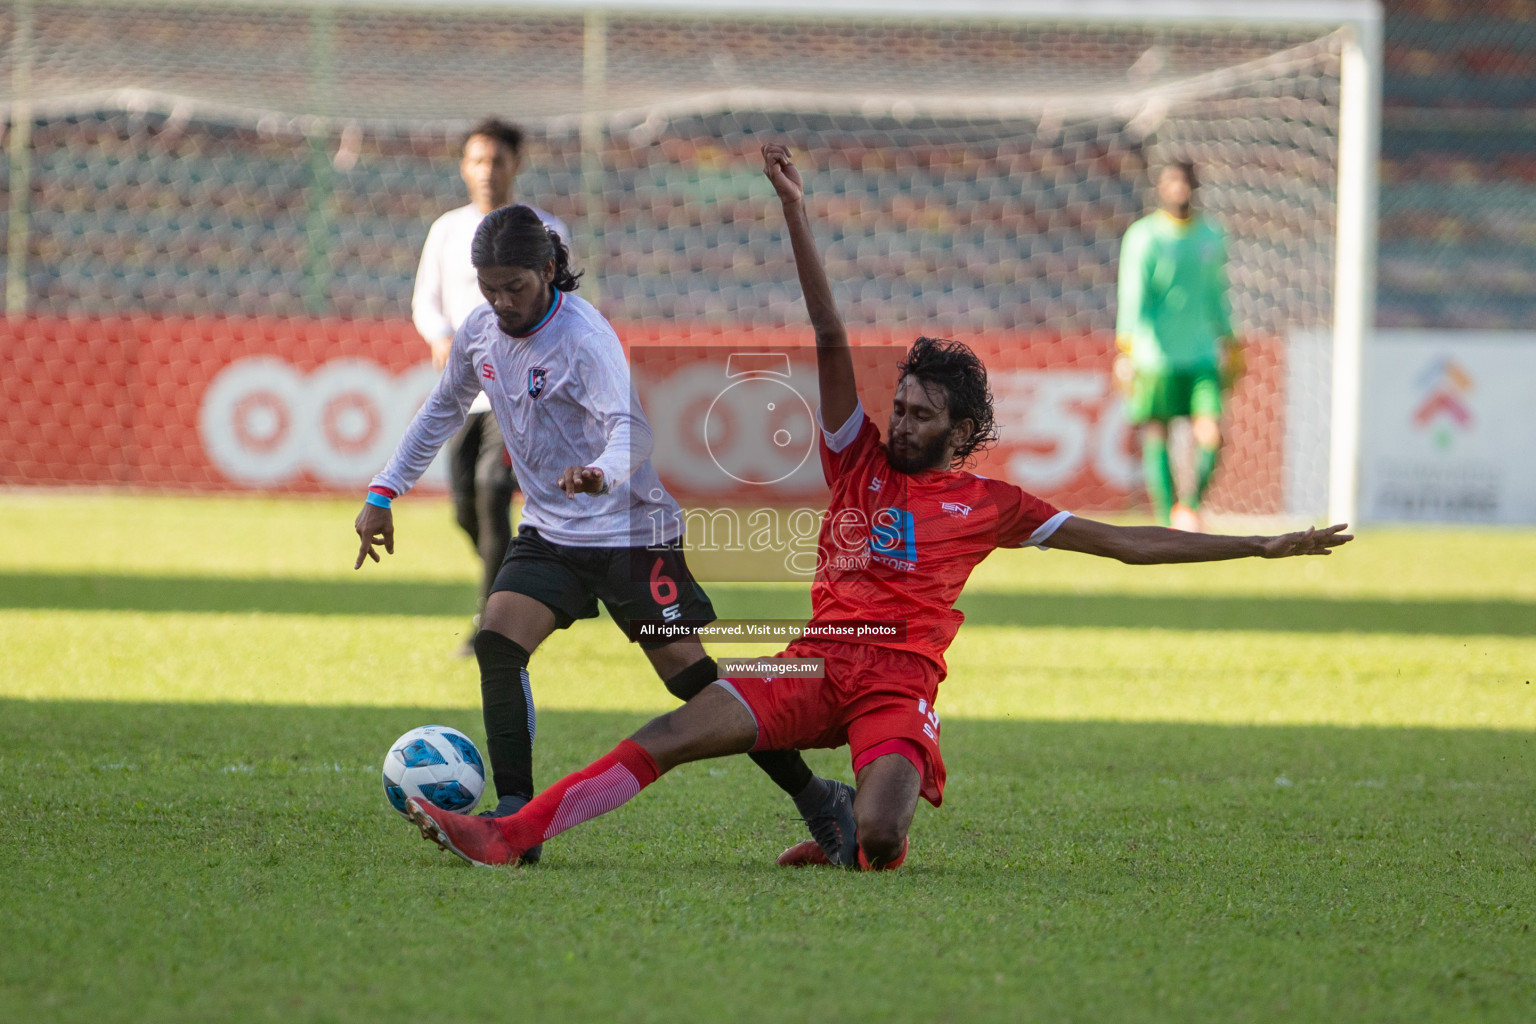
[[483, 485]]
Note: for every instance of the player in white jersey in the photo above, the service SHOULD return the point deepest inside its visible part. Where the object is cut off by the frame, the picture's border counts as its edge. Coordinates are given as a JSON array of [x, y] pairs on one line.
[[558, 384], [479, 473]]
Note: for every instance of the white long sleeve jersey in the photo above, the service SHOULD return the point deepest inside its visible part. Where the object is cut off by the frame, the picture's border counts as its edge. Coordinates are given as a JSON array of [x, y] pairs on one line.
[[563, 397], [447, 289]]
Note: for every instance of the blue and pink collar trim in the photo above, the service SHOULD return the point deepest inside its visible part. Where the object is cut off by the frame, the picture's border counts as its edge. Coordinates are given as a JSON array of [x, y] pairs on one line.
[[554, 307]]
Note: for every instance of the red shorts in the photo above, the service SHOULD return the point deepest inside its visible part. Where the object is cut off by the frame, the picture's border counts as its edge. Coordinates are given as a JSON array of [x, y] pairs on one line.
[[870, 697]]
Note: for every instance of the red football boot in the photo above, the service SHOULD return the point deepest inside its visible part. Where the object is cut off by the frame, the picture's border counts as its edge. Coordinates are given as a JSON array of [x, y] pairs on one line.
[[804, 855], [476, 840]]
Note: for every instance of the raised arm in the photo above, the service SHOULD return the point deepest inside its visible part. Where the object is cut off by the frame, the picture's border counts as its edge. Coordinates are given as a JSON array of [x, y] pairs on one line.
[[1157, 545], [834, 362]]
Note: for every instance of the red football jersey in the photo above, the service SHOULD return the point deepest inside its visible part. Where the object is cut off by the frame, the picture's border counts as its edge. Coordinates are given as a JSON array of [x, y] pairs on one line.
[[898, 547]]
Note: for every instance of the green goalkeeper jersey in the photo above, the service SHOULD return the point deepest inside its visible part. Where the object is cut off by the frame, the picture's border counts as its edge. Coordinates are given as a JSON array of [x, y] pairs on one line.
[[1173, 293]]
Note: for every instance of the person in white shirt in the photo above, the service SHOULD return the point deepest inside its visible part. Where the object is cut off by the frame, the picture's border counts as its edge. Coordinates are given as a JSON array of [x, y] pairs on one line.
[[597, 525], [479, 472]]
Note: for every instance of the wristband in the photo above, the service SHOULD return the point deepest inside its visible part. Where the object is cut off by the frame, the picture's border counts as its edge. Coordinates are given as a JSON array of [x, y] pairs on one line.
[[375, 498]]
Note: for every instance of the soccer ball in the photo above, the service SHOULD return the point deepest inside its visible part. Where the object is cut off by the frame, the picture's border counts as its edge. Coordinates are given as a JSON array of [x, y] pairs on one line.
[[437, 764]]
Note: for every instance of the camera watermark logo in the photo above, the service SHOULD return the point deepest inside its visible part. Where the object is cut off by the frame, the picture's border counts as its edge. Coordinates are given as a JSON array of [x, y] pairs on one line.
[[736, 442], [760, 429]]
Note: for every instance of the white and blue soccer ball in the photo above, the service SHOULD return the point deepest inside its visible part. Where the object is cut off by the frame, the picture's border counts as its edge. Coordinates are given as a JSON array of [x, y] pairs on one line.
[[437, 764]]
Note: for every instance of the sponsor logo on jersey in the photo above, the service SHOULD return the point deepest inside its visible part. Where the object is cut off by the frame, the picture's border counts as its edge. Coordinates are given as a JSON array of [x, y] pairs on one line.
[[876, 483], [537, 377], [955, 508], [488, 371], [893, 539], [894, 563]]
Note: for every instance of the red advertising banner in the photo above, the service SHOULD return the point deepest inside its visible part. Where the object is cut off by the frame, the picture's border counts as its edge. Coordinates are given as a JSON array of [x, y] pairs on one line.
[[311, 406], [205, 403]]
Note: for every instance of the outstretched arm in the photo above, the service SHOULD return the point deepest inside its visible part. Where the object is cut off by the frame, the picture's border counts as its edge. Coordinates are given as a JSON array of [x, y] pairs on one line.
[[1156, 545], [834, 362]]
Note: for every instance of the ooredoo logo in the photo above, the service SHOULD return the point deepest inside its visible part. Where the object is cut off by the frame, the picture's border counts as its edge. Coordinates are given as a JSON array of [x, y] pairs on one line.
[[264, 422]]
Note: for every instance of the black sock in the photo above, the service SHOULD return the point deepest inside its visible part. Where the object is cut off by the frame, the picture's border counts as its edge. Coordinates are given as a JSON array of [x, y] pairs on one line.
[[507, 702], [786, 768], [686, 684], [810, 799]]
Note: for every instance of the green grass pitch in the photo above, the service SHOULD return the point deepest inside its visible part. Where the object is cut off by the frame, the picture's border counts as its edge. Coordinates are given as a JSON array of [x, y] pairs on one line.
[[1252, 791]]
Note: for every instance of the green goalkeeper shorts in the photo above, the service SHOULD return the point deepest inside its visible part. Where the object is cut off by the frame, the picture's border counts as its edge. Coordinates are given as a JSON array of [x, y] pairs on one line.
[[1169, 395]]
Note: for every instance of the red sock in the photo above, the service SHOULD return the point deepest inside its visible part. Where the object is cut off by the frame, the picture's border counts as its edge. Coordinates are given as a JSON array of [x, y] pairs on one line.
[[601, 786]]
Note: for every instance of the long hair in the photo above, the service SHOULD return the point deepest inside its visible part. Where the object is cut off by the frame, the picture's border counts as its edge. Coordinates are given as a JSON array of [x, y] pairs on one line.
[[953, 367], [514, 236]]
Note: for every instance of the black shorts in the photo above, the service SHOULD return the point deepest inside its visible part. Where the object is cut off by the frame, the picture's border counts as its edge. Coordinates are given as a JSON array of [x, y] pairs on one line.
[[633, 583]]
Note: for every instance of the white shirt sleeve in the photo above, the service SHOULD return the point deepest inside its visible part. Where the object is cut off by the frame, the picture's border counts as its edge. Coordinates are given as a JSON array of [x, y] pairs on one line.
[[429, 310], [1046, 530], [559, 227], [846, 434], [613, 401], [551, 221], [438, 419]]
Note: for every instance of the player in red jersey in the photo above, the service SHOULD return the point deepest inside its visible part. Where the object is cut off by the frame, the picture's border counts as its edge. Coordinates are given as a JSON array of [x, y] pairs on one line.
[[903, 530]]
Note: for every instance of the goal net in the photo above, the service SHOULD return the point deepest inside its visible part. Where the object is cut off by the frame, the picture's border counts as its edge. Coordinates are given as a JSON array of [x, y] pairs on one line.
[[216, 209]]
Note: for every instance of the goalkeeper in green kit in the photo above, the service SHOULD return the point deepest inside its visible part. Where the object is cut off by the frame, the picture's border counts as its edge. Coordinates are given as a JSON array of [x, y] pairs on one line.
[[1174, 332]]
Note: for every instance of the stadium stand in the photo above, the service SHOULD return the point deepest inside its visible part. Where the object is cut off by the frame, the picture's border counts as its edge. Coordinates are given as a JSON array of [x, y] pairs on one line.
[[162, 214], [1458, 165]]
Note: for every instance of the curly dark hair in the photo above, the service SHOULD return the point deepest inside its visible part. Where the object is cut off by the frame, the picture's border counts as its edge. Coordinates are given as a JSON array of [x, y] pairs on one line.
[[514, 236], [959, 372]]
